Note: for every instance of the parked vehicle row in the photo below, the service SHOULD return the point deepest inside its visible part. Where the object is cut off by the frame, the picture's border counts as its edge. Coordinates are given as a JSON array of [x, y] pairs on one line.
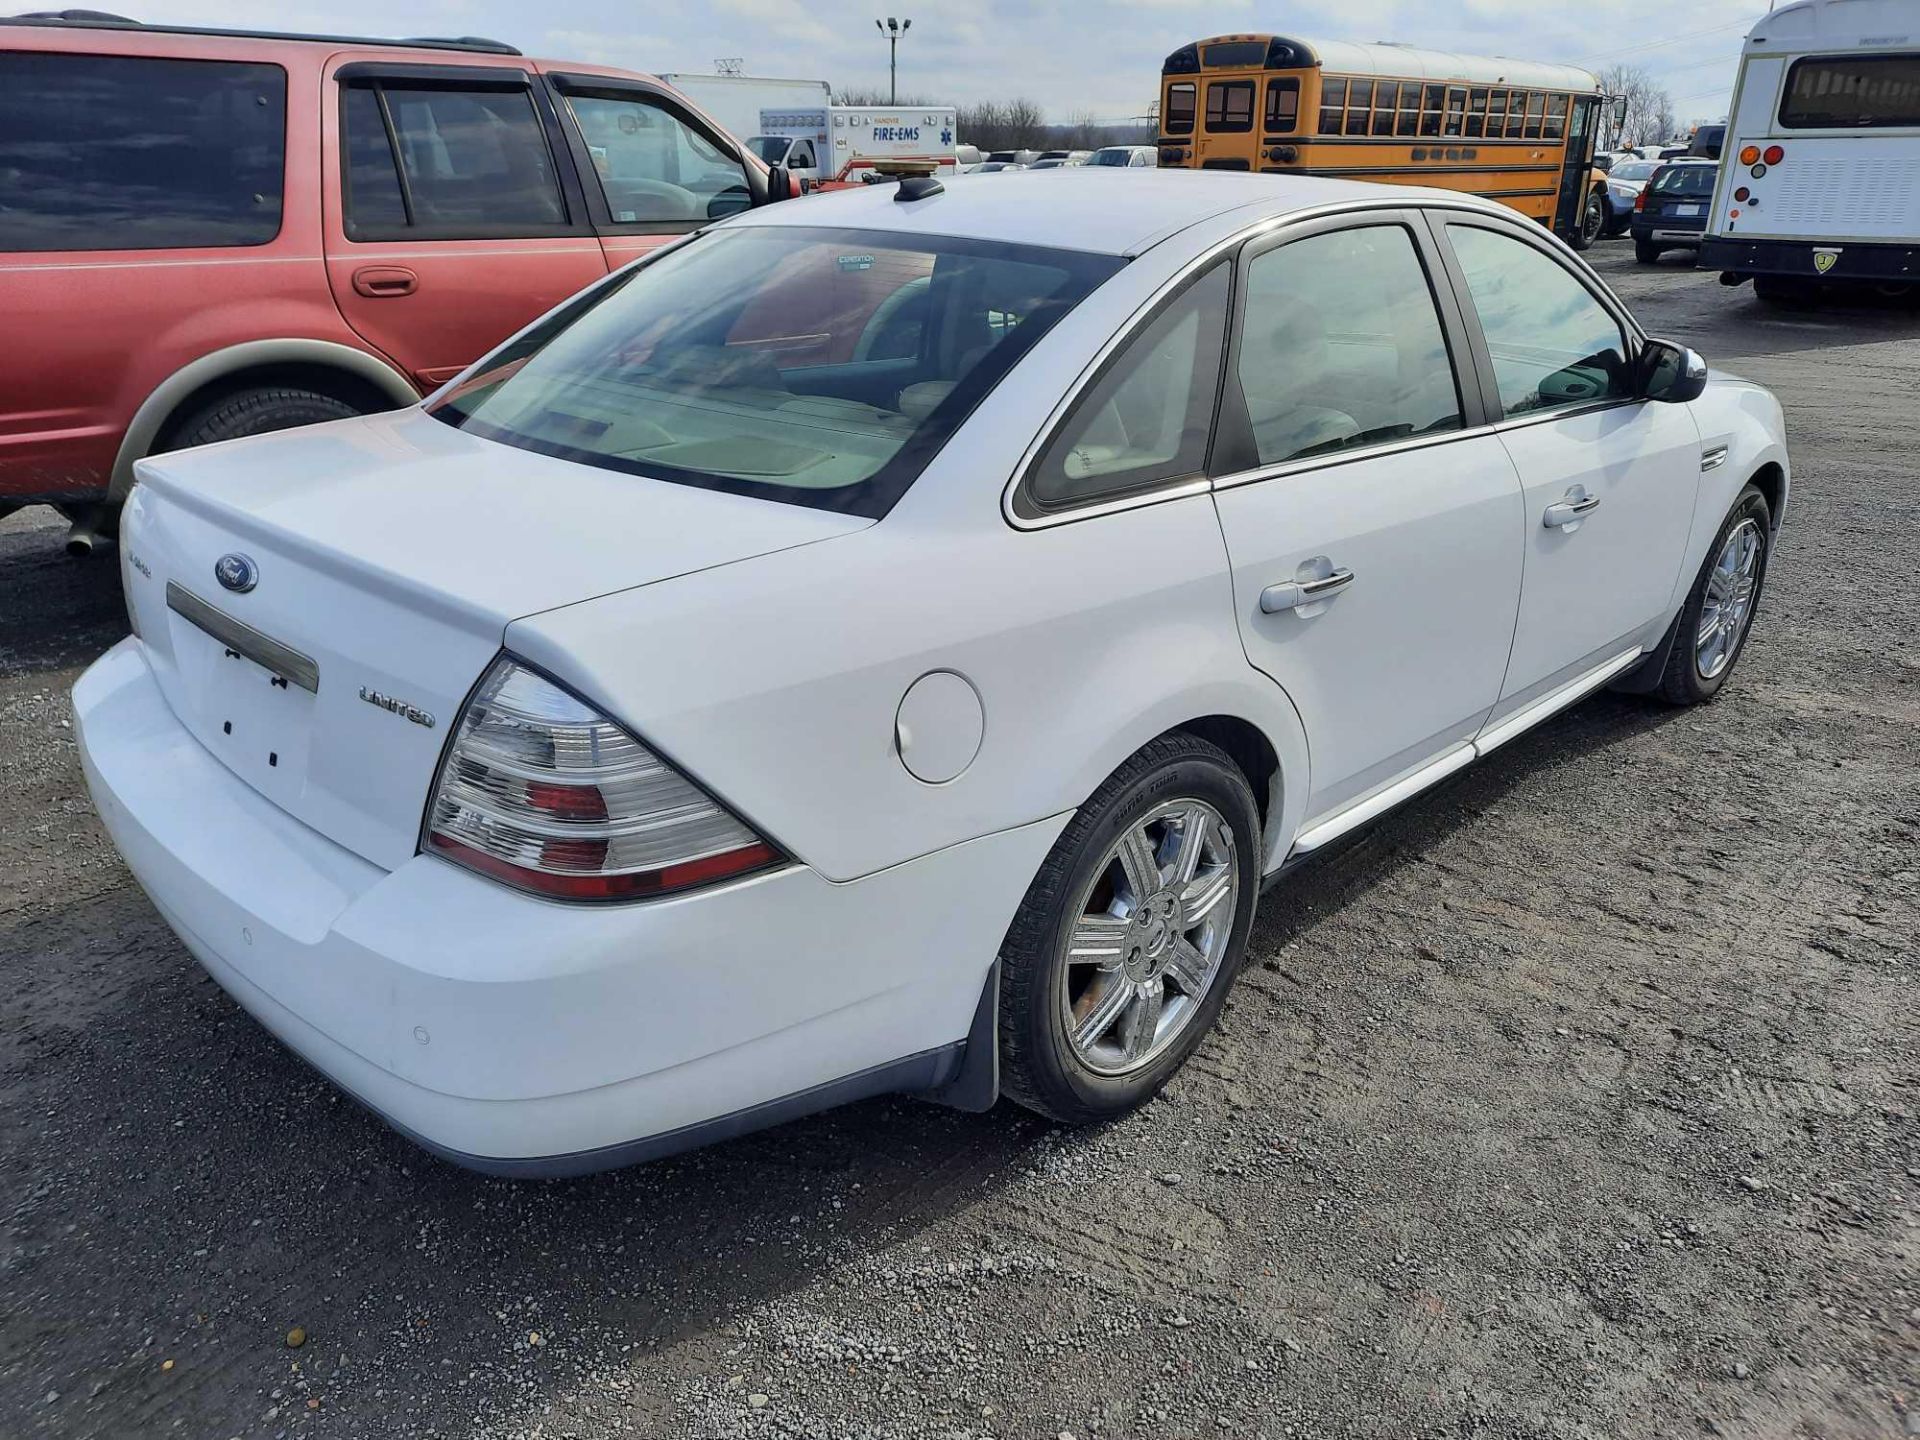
[[164, 192]]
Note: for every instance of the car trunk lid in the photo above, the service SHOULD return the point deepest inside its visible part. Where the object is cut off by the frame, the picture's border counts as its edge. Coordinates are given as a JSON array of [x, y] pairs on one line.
[[381, 561]]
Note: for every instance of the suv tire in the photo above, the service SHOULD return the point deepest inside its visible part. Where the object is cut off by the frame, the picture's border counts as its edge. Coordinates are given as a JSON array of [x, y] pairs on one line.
[[1646, 252], [255, 412], [1057, 1055]]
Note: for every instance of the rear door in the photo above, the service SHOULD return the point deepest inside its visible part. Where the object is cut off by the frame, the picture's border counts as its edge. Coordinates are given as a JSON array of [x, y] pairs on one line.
[[456, 215], [653, 167], [1609, 478], [1373, 524]]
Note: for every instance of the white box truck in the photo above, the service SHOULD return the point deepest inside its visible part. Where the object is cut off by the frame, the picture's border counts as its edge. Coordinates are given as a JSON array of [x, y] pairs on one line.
[[737, 100], [840, 144]]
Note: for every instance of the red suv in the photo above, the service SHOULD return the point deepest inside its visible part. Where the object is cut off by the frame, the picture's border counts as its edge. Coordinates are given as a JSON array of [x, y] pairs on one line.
[[210, 233]]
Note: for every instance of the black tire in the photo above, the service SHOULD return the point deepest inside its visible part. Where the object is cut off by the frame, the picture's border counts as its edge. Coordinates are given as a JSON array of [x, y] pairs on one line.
[[255, 412], [1593, 222], [1038, 1065], [1681, 683], [1646, 252]]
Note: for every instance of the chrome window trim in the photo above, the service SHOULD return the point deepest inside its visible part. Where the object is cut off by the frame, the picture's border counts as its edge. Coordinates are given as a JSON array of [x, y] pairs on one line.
[[1309, 463]]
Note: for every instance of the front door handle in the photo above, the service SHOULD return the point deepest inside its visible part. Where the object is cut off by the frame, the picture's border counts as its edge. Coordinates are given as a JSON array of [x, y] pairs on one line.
[[384, 282], [1292, 594], [1568, 513]]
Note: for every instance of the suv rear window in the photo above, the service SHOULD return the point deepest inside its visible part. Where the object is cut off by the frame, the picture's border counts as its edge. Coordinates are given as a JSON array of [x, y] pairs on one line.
[[1685, 179], [110, 152], [814, 366]]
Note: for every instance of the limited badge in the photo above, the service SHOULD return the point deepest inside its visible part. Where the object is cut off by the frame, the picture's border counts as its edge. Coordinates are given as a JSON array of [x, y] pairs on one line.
[[1824, 260]]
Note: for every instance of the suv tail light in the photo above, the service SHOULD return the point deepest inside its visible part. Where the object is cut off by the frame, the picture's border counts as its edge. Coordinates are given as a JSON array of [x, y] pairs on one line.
[[541, 791], [1640, 200]]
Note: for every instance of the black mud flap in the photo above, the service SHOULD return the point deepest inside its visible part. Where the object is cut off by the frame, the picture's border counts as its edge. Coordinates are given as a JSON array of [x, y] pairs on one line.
[[975, 1085]]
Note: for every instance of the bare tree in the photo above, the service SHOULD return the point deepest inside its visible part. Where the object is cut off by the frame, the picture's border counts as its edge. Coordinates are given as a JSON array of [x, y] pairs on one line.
[[1648, 116]]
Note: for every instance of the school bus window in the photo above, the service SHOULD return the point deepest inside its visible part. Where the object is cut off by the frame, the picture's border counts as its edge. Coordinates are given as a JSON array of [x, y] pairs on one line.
[[1283, 106], [1430, 109], [1497, 114], [1383, 103], [1333, 99], [1556, 117], [1180, 102], [1476, 112], [1516, 114], [1456, 107], [1230, 105], [1409, 110], [1536, 108], [1359, 102]]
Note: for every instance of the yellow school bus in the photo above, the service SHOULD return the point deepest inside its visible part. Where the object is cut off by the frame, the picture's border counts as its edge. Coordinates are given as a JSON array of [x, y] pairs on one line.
[[1512, 130]]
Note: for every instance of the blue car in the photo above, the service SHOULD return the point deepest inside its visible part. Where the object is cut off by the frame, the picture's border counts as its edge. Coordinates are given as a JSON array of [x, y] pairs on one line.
[[1671, 211]]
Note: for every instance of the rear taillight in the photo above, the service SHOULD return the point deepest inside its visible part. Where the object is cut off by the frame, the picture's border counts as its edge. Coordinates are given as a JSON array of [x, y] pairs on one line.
[[1750, 155], [540, 790], [1773, 155], [1640, 201]]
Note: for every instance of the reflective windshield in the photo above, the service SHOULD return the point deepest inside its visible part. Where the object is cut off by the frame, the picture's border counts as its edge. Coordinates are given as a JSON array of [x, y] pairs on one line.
[[818, 367], [1635, 169], [1117, 156], [770, 148]]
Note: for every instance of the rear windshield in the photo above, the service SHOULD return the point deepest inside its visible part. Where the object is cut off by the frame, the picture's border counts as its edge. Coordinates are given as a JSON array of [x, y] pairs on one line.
[[1111, 157], [1852, 92], [1635, 169], [817, 367], [1685, 180]]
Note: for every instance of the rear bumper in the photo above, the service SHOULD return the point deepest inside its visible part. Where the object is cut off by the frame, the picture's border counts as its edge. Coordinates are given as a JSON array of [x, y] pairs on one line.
[[1666, 232], [519, 1036], [1873, 264]]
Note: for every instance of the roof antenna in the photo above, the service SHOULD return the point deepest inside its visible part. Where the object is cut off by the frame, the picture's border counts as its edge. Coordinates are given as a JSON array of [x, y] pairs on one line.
[[916, 178]]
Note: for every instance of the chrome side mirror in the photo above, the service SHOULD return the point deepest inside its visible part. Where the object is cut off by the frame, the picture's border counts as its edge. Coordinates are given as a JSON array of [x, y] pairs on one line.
[[1671, 372]]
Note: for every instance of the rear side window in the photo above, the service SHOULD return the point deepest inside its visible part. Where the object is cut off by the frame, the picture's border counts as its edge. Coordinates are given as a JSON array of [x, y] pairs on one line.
[[430, 161], [1180, 106], [1149, 416], [1852, 92], [1283, 105], [108, 152]]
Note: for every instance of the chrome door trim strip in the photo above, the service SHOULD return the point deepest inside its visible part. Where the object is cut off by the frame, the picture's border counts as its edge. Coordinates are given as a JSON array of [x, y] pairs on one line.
[[241, 638], [1381, 801], [1554, 700]]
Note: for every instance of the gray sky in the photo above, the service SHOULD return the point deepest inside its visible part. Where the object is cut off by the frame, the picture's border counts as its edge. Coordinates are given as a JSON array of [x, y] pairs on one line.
[[1101, 56]]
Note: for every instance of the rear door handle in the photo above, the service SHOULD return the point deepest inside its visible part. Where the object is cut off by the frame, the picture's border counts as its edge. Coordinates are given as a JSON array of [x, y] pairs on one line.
[[1291, 594], [384, 282], [1568, 513]]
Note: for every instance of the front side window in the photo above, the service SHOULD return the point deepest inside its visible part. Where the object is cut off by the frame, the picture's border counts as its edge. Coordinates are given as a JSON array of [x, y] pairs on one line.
[[1553, 344], [111, 152], [1181, 100], [654, 168], [812, 366], [1320, 374], [1556, 127], [1851, 92], [1230, 105], [1148, 418], [1283, 106], [448, 162]]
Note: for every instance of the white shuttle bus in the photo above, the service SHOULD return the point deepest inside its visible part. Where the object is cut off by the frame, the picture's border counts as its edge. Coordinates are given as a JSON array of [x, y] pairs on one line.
[[1820, 174]]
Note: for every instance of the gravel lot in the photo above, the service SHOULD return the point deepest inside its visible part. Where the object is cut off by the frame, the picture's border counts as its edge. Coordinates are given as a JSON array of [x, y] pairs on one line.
[[1577, 1100]]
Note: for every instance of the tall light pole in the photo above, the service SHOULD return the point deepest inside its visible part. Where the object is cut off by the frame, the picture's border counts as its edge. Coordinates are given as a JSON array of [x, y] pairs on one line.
[[893, 29]]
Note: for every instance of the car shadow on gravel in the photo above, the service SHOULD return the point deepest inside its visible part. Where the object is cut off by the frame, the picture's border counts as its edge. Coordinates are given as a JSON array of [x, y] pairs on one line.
[[67, 610], [192, 1191]]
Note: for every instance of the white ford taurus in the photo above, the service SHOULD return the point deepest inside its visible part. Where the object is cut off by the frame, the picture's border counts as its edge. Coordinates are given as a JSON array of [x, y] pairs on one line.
[[886, 643]]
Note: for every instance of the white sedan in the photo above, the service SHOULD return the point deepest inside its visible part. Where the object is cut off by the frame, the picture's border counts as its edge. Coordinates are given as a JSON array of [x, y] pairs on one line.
[[889, 643]]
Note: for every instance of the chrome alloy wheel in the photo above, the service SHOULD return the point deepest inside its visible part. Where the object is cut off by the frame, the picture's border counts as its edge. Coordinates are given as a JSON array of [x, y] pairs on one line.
[[1727, 606], [1148, 936]]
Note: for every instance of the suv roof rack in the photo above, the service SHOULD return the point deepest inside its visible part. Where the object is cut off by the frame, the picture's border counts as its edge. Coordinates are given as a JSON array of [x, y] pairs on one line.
[[102, 20]]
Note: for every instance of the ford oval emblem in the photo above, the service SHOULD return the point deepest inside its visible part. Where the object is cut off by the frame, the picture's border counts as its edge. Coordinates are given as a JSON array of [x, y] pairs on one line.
[[237, 573]]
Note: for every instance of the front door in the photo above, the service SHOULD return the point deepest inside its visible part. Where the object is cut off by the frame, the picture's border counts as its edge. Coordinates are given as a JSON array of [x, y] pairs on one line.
[[1375, 536], [1610, 478], [1576, 175], [454, 217]]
